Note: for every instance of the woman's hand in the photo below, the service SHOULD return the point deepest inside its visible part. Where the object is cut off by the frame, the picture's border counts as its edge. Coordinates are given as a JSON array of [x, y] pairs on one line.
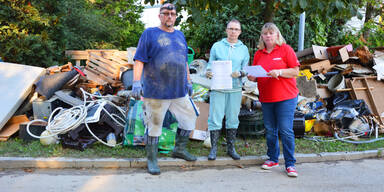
[[252, 78], [275, 73]]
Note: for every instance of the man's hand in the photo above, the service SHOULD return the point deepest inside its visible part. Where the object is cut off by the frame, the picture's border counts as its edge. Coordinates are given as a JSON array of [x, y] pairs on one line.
[[136, 90], [190, 89], [209, 74]]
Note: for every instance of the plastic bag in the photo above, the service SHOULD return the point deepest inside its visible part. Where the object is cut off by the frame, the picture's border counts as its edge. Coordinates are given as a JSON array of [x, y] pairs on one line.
[[134, 130]]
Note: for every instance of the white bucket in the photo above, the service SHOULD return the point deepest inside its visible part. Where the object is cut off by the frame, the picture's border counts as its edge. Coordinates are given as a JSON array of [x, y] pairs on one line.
[[336, 82]]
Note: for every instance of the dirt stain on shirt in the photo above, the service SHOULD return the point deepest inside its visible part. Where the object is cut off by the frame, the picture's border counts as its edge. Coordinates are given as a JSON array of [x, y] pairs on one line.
[[163, 40]]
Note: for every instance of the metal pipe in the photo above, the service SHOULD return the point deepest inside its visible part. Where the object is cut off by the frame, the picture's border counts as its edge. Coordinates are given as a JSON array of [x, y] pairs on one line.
[[301, 31]]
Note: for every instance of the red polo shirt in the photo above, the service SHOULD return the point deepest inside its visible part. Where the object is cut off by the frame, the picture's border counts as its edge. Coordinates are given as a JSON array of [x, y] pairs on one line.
[[272, 89]]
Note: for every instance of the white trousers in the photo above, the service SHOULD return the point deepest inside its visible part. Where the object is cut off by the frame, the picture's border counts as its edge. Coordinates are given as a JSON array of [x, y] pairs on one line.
[[154, 110]]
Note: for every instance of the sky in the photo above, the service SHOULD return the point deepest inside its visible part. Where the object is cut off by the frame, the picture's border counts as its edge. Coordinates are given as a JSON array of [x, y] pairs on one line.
[[150, 16]]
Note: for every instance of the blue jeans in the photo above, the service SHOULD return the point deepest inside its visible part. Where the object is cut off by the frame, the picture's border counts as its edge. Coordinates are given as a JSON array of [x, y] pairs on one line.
[[278, 119]]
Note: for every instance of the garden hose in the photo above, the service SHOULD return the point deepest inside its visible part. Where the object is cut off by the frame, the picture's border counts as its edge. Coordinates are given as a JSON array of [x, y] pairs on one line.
[[357, 142]]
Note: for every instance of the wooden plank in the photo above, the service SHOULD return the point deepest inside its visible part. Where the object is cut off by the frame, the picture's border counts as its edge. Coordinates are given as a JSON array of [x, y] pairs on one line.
[[122, 55], [77, 54], [12, 126], [109, 64], [99, 79], [99, 72], [103, 71], [116, 59], [79, 57], [348, 83], [93, 63], [372, 98], [105, 62], [94, 73], [319, 66], [355, 89], [101, 50]]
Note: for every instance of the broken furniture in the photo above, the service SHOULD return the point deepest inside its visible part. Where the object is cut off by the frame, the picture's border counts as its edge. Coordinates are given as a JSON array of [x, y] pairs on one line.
[[361, 89]]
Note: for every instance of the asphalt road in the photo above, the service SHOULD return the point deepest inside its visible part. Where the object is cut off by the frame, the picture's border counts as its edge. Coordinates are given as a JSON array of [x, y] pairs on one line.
[[359, 175]]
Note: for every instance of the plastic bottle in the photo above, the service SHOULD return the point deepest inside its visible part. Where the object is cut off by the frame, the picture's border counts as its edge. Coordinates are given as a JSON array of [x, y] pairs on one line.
[[111, 139]]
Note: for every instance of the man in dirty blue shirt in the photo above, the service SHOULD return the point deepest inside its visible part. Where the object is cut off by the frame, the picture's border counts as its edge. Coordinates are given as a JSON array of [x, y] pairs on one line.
[[161, 76]]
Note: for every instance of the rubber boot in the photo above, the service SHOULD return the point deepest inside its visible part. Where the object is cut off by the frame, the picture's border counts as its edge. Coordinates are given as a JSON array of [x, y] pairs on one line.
[[151, 148], [231, 138], [214, 138], [180, 151]]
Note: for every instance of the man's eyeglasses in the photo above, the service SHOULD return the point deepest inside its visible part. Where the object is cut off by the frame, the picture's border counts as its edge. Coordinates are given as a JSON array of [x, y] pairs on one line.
[[234, 29], [169, 14]]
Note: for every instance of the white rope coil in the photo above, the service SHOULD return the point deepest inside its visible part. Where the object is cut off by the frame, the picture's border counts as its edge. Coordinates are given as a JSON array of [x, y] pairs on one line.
[[68, 119]]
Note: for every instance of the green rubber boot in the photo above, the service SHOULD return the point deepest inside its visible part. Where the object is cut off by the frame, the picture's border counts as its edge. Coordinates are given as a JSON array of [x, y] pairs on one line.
[[214, 138], [180, 150], [231, 138], [151, 148]]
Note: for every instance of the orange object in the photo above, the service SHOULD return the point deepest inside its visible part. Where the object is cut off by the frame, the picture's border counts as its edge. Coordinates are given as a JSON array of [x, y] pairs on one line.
[[12, 126]]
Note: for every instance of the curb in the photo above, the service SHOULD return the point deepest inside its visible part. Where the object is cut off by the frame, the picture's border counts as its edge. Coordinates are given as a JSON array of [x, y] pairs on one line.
[[62, 162]]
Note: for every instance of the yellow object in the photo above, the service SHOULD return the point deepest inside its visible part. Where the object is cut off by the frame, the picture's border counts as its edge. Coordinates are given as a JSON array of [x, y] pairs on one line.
[[306, 72], [309, 124]]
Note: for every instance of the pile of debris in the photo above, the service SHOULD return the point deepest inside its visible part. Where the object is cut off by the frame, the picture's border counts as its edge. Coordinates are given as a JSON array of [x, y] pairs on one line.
[[341, 88], [78, 105]]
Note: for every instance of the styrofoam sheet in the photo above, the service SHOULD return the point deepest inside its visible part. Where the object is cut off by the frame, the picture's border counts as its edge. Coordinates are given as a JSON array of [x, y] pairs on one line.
[[16, 83]]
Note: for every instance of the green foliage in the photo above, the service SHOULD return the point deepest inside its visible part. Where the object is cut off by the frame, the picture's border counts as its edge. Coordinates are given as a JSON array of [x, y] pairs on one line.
[[24, 34], [324, 18], [375, 39], [320, 29], [30, 50], [37, 32], [125, 14], [211, 27]]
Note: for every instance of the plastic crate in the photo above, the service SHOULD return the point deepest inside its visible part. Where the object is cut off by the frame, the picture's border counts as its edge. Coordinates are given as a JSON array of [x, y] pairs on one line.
[[251, 123]]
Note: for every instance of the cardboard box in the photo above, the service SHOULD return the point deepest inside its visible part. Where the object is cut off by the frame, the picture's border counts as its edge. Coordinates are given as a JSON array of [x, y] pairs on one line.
[[201, 129]]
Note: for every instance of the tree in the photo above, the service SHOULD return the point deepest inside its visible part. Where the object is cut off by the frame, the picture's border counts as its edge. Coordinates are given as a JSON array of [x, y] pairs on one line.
[[126, 15], [37, 32], [322, 8], [373, 8], [24, 34]]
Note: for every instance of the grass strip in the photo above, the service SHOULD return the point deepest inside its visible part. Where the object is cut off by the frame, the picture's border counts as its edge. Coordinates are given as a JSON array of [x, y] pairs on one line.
[[16, 147]]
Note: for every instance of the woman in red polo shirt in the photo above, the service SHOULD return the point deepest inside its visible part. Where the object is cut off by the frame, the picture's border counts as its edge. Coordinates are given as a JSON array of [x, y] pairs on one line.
[[278, 95]]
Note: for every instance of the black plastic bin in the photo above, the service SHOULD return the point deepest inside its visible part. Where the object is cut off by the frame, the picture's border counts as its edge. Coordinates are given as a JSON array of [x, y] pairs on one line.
[[251, 123]]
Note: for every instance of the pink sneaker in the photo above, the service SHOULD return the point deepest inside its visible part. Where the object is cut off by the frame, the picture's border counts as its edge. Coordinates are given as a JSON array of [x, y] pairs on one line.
[[269, 164], [291, 171]]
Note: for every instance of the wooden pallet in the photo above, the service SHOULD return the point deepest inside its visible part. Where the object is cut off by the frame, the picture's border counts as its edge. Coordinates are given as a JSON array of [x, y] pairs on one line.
[[371, 91], [104, 66]]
